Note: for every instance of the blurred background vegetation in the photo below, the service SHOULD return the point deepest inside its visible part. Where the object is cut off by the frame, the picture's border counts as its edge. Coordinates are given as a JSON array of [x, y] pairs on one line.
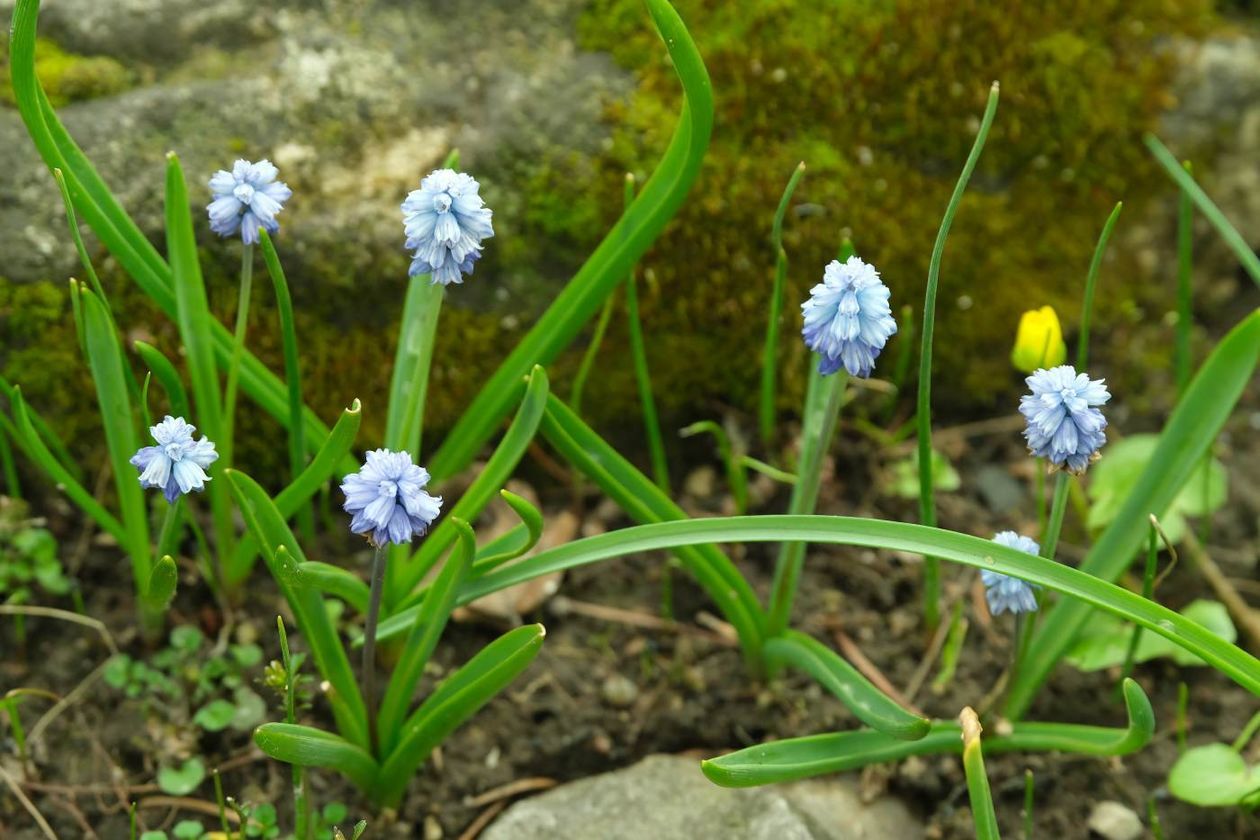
[[552, 101]]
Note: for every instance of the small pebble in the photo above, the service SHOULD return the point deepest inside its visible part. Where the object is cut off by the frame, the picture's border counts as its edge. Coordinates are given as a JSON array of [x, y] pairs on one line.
[[1113, 821], [432, 828], [619, 691]]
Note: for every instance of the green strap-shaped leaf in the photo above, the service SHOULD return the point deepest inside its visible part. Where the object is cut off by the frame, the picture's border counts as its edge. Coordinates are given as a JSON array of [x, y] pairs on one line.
[[1194, 424], [453, 702], [621, 248], [404, 576], [871, 706], [815, 755], [1230, 660], [50, 438], [306, 746], [280, 548], [114, 227], [167, 376], [335, 581], [644, 502], [106, 362], [32, 443], [977, 779], [515, 542], [323, 466], [425, 632]]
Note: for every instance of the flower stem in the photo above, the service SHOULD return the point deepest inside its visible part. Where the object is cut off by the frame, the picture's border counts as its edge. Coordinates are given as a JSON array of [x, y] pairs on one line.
[[238, 348], [169, 526], [369, 642], [1050, 536]]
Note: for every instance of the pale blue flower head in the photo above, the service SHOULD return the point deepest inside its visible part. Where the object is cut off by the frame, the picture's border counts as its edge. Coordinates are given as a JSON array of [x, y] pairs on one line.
[[847, 317], [1003, 592], [1064, 424], [247, 198], [387, 498], [178, 463], [445, 222]]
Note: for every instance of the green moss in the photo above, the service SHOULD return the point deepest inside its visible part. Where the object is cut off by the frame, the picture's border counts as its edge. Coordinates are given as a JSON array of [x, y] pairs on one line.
[[67, 77], [882, 100]]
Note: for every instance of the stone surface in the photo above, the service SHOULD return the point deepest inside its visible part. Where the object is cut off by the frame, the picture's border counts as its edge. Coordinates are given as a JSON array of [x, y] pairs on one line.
[[667, 798]]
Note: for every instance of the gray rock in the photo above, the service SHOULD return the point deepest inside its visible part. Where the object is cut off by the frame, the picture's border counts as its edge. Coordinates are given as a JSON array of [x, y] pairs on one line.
[[667, 798], [1113, 821]]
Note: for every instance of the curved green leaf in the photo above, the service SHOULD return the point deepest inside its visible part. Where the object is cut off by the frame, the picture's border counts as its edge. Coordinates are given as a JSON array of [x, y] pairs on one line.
[[333, 580], [306, 746], [322, 467], [403, 577], [1194, 424], [425, 631], [515, 542], [977, 779], [979, 553], [281, 550], [802, 758], [453, 702], [166, 374], [644, 502], [621, 248], [105, 359], [871, 706]]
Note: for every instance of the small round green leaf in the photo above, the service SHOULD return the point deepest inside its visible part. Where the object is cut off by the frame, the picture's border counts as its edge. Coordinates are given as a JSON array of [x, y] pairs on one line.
[[215, 715], [1213, 776], [182, 780]]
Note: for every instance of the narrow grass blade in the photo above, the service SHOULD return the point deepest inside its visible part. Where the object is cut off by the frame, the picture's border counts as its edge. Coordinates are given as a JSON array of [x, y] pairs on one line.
[[770, 352], [315, 476], [592, 350], [12, 486], [644, 502], [736, 479], [32, 443], [1194, 424], [167, 376], [306, 746], [638, 227], [977, 779], [458, 698], [871, 706], [815, 755], [292, 373], [1247, 257], [404, 577], [425, 632], [1183, 364], [1091, 284], [50, 438], [927, 499], [106, 362], [280, 550], [1230, 660]]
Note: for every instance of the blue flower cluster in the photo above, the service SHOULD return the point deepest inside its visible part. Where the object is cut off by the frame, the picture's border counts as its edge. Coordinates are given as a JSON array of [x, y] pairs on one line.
[[1003, 592], [1064, 424], [178, 464], [847, 318], [247, 198], [445, 222], [387, 498]]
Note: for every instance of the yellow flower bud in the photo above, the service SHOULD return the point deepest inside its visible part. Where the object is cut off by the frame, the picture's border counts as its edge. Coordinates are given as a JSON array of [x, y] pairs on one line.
[[1039, 342]]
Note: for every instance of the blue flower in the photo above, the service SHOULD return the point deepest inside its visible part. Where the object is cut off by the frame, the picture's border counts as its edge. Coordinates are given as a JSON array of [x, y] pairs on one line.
[[247, 198], [445, 222], [178, 463], [847, 317], [387, 498], [1003, 592], [1064, 425]]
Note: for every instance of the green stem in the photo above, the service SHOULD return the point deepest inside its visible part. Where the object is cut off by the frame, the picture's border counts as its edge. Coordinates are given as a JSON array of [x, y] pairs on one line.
[[656, 444], [822, 409], [11, 485], [234, 365], [588, 358], [301, 803], [1148, 590], [927, 500], [369, 643], [1050, 536], [1028, 804], [770, 352], [169, 527], [1040, 468], [1091, 284]]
